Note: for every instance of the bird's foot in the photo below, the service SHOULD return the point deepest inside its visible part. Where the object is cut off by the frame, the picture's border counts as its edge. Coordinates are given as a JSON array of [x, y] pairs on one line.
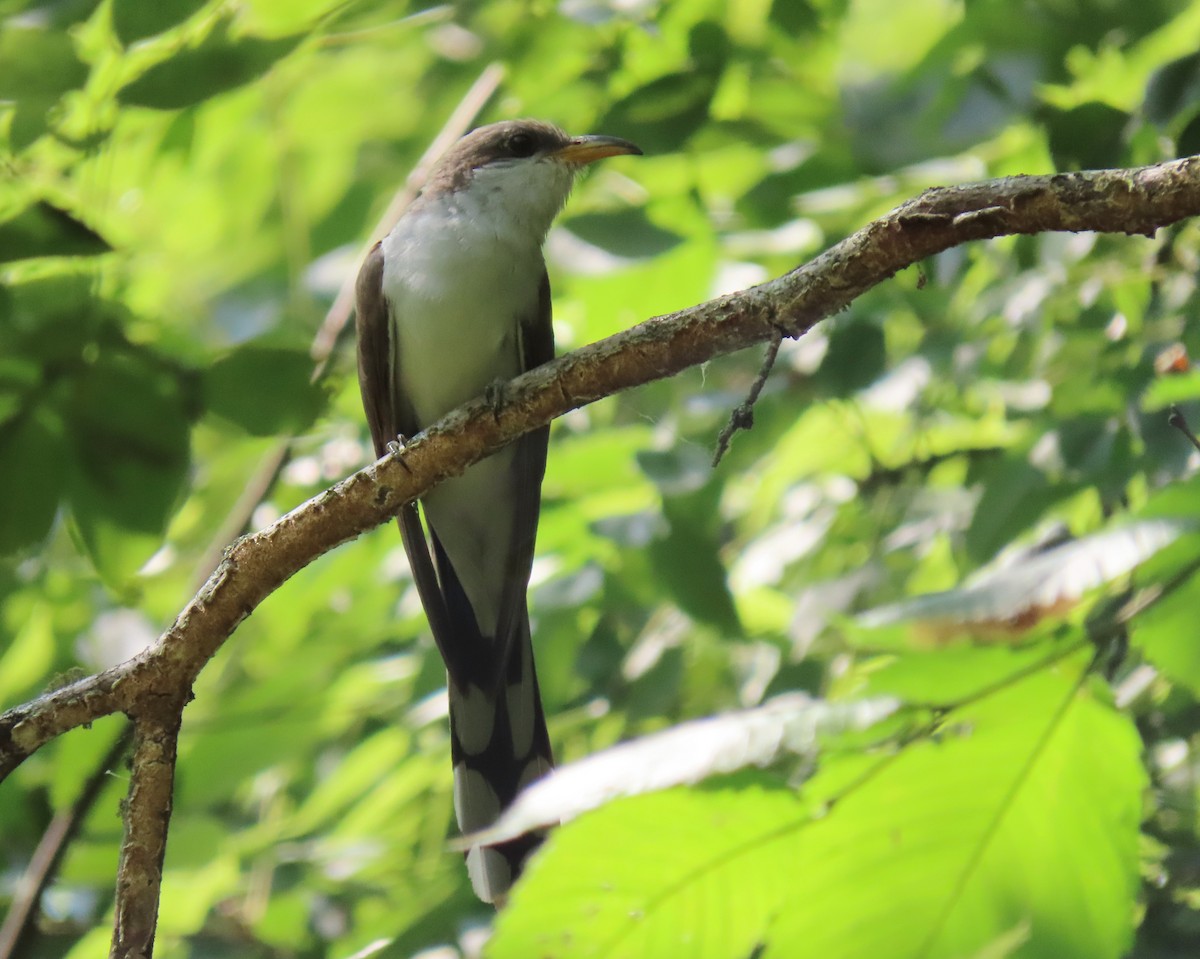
[[495, 394], [395, 449]]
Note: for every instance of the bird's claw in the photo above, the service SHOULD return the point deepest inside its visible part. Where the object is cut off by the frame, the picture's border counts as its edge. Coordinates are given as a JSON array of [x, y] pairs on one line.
[[395, 449], [495, 394]]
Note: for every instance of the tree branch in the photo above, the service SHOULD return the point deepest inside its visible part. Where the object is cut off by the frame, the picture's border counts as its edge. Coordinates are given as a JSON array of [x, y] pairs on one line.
[[1137, 201], [153, 687], [147, 815]]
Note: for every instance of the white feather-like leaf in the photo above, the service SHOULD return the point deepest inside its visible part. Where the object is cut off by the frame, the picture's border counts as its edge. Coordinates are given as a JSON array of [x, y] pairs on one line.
[[791, 723], [1042, 582]]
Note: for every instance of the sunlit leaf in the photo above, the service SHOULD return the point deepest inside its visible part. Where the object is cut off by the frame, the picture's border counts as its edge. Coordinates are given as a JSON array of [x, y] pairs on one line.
[[1013, 596], [950, 846], [680, 756], [37, 63]]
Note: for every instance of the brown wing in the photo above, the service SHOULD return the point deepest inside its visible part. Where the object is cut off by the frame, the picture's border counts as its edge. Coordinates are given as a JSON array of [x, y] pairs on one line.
[[374, 329], [389, 417], [529, 464]]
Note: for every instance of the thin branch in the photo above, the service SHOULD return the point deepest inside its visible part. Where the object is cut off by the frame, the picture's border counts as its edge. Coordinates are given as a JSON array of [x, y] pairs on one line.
[[1117, 201], [147, 815], [1177, 420], [742, 417]]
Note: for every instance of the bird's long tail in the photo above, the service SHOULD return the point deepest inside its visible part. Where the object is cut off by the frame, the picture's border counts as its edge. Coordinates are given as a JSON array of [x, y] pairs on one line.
[[499, 745]]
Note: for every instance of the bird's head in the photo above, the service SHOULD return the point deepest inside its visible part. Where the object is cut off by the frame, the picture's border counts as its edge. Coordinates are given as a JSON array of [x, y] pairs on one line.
[[521, 169]]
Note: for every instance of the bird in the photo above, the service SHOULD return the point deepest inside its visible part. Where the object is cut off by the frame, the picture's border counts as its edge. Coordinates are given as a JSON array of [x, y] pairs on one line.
[[452, 303]]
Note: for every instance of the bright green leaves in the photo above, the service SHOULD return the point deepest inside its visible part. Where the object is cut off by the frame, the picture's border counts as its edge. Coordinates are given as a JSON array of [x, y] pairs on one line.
[[1166, 633], [1019, 823], [962, 411], [97, 424], [669, 874], [91, 422], [661, 115], [37, 66]]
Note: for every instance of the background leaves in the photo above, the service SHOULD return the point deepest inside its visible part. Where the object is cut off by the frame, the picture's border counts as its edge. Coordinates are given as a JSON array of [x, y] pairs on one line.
[[185, 186]]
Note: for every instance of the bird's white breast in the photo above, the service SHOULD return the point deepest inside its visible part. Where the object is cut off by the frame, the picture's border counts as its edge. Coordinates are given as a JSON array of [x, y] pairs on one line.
[[462, 271], [458, 291]]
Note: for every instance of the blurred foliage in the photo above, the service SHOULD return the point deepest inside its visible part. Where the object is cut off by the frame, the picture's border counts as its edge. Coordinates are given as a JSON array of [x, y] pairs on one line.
[[186, 184]]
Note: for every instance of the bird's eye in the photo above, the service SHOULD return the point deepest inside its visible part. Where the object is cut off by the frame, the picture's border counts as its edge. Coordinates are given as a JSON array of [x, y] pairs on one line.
[[521, 145]]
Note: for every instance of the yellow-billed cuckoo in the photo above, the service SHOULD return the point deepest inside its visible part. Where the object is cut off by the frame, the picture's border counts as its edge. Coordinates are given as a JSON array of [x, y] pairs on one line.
[[453, 301]]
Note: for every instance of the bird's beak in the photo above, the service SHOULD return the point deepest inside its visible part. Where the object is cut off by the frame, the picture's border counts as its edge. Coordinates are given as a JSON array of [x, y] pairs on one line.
[[581, 151]]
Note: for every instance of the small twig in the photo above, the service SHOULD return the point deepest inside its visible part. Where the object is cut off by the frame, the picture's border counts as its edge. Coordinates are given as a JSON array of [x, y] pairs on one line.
[[742, 417], [1176, 419]]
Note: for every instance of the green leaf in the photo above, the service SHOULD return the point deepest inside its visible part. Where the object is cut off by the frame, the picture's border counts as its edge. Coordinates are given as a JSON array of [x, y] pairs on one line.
[[36, 63], [219, 64], [611, 901], [1187, 143], [1087, 137], [687, 562], [677, 471], [283, 398], [663, 113], [796, 17], [623, 233], [1165, 631], [687, 558], [45, 230], [1172, 89], [855, 359], [32, 477], [129, 444], [134, 20], [37, 66], [937, 851], [29, 654], [660, 115], [1016, 494]]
